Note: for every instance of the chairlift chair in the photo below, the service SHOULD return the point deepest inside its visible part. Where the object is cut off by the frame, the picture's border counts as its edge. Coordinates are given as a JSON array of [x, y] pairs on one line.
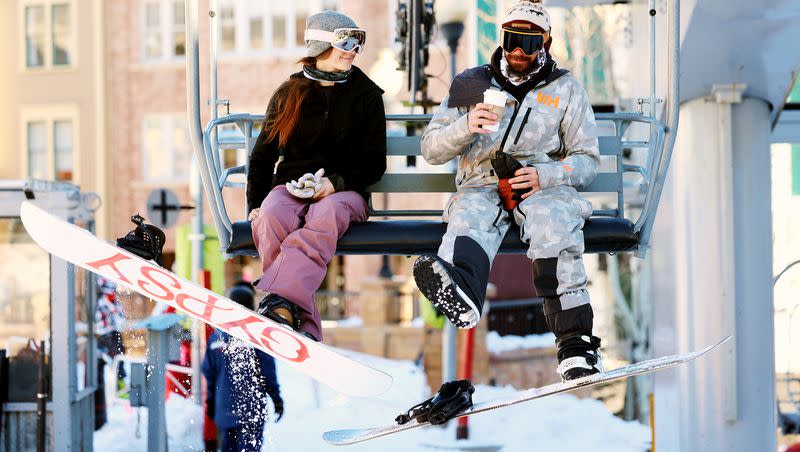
[[609, 230]]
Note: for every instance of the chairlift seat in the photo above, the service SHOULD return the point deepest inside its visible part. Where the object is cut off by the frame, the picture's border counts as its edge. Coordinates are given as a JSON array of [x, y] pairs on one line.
[[414, 237], [612, 233]]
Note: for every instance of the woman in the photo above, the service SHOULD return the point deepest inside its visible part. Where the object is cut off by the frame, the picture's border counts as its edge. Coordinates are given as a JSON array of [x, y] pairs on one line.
[[329, 116]]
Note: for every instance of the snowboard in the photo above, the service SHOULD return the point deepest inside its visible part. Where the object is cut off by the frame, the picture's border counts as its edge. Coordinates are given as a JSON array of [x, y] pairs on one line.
[[352, 436], [82, 248]]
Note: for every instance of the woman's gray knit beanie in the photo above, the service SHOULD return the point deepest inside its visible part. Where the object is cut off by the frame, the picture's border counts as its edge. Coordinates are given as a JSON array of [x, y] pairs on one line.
[[327, 21]]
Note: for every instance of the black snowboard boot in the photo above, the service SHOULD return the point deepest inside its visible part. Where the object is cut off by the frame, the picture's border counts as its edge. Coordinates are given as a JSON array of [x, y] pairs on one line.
[[449, 293], [283, 311], [456, 290], [146, 241], [578, 356]]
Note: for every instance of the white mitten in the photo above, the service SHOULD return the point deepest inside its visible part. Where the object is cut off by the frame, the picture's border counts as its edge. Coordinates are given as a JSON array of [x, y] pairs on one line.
[[307, 185], [302, 193], [318, 179], [298, 189], [303, 179]]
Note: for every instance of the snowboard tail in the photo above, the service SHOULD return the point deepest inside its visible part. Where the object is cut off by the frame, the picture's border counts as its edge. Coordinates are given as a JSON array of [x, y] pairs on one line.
[[352, 436], [82, 248]]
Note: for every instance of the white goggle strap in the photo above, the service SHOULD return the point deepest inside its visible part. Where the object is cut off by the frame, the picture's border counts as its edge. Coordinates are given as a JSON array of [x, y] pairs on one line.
[[319, 35]]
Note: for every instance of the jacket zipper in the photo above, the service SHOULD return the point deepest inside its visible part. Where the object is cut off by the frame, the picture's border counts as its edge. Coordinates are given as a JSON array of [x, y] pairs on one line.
[[510, 126], [541, 85], [524, 121], [325, 115], [521, 223]]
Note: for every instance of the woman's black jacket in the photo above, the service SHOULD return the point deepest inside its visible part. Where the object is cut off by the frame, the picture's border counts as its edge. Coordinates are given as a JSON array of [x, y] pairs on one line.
[[342, 129]]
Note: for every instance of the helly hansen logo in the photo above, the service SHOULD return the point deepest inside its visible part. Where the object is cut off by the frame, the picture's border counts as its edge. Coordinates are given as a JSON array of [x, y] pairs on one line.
[[546, 99]]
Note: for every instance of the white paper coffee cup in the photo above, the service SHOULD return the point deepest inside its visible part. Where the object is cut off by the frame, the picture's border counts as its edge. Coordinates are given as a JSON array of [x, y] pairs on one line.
[[497, 99]]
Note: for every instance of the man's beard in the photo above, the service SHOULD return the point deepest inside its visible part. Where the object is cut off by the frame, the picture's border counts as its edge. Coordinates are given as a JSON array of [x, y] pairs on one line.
[[521, 70]]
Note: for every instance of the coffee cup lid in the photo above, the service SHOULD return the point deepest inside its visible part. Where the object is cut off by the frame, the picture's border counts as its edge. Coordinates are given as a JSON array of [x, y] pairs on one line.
[[494, 97]]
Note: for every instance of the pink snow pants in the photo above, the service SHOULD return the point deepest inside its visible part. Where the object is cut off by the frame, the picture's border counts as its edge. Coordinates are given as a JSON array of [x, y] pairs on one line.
[[294, 258]]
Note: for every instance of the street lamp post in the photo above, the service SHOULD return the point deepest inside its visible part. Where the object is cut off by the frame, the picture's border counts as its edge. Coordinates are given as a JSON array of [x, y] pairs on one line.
[[386, 269], [450, 14]]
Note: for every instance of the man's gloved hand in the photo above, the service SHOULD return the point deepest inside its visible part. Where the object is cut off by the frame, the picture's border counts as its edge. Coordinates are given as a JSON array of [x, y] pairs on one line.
[[278, 402], [210, 408], [307, 186], [505, 166]]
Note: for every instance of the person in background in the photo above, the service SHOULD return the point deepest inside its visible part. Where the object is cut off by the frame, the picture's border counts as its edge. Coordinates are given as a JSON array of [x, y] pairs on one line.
[[109, 322], [240, 380]]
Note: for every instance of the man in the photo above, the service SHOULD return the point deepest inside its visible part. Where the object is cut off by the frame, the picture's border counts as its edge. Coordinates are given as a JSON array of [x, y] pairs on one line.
[[527, 171], [240, 379], [109, 323]]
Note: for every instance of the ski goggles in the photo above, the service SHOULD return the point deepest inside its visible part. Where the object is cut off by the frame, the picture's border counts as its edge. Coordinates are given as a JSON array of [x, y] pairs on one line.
[[529, 42], [344, 39]]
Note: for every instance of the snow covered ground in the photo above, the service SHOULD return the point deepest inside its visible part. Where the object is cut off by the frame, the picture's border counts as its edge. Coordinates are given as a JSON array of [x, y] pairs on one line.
[[557, 423], [496, 343]]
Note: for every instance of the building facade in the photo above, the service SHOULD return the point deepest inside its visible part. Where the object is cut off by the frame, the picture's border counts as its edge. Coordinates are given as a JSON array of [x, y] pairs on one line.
[[53, 117]]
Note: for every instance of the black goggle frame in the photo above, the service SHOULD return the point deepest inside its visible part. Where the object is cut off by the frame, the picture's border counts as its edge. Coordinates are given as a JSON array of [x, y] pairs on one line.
[[530, 42]]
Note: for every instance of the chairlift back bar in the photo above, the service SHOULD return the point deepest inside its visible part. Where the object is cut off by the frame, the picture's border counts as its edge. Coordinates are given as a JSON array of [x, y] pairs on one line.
[[672, 114]]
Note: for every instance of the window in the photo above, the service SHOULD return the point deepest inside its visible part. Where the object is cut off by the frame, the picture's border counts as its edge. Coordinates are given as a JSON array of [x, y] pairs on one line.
[[302, 11], [62, 149], [258, 28], [796, 169], [163, 30], [37, 150], [178, 28], [50, 144], [166, 151], [48, 34], [34, 36], [152, 31], [279, 29], [60, 34], [257, 33], [227, 28]]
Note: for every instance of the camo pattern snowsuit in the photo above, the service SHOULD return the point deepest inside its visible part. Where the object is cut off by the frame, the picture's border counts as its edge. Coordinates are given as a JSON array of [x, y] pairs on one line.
[[552, 129]]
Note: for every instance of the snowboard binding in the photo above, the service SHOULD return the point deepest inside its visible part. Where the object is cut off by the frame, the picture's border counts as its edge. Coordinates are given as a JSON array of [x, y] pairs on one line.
[[453, 398], [146, 241]]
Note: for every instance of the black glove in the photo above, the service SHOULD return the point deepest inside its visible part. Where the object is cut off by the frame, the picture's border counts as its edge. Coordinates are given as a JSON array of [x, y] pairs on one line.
[[504, 167], [278, 402], [210, 408]]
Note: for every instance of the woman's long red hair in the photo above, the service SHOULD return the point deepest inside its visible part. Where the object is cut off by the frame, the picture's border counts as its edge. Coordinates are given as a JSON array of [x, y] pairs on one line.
[[290, 97]]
